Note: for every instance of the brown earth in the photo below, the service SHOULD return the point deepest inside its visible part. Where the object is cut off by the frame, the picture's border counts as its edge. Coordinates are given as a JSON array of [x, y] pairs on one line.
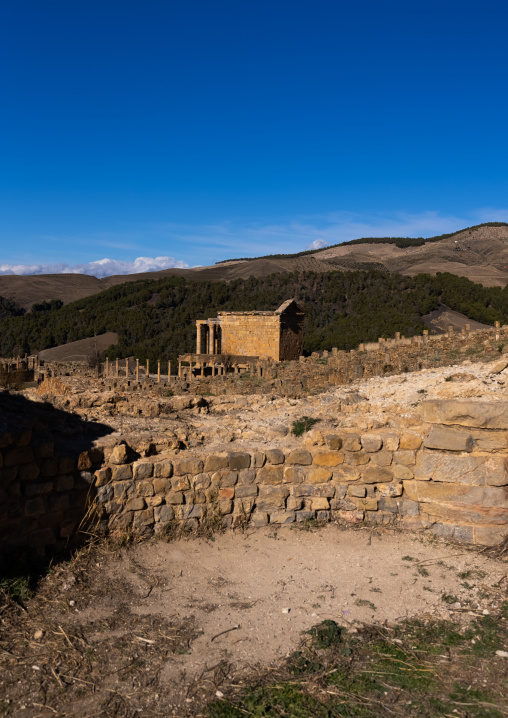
[[158, 628], [479, 254]]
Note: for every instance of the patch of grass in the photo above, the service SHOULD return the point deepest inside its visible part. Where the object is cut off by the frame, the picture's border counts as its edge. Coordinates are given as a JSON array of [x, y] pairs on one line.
[[449, 598], [17, 588], [408, 558], [422, 571], [363, 602], [302, 425], [325, 634]]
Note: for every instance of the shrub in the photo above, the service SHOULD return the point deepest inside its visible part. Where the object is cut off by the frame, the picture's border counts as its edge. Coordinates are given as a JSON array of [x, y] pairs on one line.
[[300, 426]]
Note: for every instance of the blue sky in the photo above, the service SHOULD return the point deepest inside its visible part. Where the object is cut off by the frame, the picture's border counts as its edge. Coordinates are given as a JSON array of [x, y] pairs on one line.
[[199, 130]]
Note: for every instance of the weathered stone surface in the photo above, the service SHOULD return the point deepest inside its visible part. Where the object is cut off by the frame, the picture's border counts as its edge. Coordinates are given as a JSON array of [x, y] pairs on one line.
[[294, 474], [239, 460], [389, 489], [410, 441], [489, 535], [271, 497], [259, 518], [201, 481], [304, 515], [345, 473], [174, 497], [145, 488], [319, 503], [224, 477], [119, 455], [270, 474], [161, 486], [246, 477], [142, 470], [401, 473], [258, 459], [163, 469], [459, 494], [472, 470], [294, 503], [367, 504], [333, 442], [391, 441], [227, 493], [357, 491], [356, 458], [404, 457], [163, 514], [328, 458], [282, 517], [371, 443], [376, 475], [487, 440], [301, 457], [121, 472], [464, 412], [136, 504], [351, 442], [216, 462], [499, 366], [274, 456], [180, 483], [407, 507], [318, 475], [382, 458], [142, 519], [187, 465], [246, 491], [28, 472], [442, 437]]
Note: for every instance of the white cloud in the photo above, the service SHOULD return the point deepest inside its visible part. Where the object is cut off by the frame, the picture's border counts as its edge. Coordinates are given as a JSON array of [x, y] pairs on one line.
[[317, 244], [98, 268]]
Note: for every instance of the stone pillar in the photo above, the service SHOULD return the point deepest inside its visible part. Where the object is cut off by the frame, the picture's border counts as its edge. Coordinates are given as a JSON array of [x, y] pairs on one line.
[[116, 368], [199, 330], [158, 372], [211, 338], [361, 348], [169, 371], [147, 369], [179, 369], [450, 331], [397, 336], [497, 324], [467, 328], [425, 335], [137, 370]]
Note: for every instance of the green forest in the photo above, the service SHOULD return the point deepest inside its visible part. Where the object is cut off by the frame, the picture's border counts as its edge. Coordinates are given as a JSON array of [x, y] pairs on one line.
[[155, 319]]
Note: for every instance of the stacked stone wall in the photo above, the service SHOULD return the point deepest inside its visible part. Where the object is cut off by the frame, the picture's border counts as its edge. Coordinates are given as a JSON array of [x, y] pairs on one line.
[[251, 335]]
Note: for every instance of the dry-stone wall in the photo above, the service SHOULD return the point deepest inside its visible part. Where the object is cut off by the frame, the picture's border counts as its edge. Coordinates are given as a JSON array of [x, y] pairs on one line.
[[450, 477]]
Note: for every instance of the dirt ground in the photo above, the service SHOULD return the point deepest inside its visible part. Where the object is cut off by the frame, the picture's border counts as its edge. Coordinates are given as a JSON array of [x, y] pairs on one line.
[[158, 628]]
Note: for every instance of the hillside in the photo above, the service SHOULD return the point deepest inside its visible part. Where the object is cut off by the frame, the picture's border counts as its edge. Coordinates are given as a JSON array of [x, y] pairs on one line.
[[478, 253]]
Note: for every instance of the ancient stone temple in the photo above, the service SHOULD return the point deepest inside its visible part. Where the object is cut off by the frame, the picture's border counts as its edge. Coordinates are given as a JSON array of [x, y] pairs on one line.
[[244, 339]]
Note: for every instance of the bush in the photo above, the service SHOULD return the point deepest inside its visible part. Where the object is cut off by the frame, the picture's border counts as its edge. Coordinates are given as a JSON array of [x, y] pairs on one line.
[[300, 426]]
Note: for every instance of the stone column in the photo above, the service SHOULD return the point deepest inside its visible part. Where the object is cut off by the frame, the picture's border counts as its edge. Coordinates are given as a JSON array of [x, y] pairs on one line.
[[137, 370], [179, 369], [199, 329], [116, 368], [211, 338], [107, 366], [147, 370], [169, 371], [158, 372]]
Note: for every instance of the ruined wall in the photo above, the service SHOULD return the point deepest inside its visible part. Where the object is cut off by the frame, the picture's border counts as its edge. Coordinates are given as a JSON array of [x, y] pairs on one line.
[[291, 336], [251, 334], [449, 477]]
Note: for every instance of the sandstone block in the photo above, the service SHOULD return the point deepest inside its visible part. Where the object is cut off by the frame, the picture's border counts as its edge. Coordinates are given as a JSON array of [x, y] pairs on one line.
[[239, 460], [242, 492], [357, 491], [382, 458], [119, 455], [270, 474], [274, 456], [459, 494], [246, 477], [489, 535], [271, 497], [442, 437], [333, 442], [344, 504], [391, 442], [318, 475], [122, 472], [141, 519], [145, 488], [244, 506], [121, 522], [137, 504], [465, 534], [163, 514], [389, 489], [351, 442], [227, 493], [161, 486], [163, 469], [376, 475], [358, 458], [387, 503], [352, 517], [174, 498], [142, 470], [408, 508], [112, 507], [294, 474], [487, 440], [180, 483], [152, 501], [471, 470], [371, 443], [466, 412], [259, 518], [410, 441], [300, 457], [225, 506], [216, 462], [18, 455], [499, 366], [187, 465], [28, 472], [294, 503], [367, 504], [319, 503], [401, 473], [346, 473], [258, 459], [404, 457], [329, 458], [84, 461], [225, 477], [201, 481]]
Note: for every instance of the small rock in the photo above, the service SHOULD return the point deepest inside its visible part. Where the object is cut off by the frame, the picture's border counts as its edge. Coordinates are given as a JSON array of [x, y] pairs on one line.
[[72, 603], [486, 612], [219, 694], [502, 654], [38, 635], [457, 604], [286, 610]]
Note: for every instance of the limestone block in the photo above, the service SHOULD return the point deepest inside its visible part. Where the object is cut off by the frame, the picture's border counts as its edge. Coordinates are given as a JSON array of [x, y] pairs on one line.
[[459, 494], [238, 460], [371, 443], [84, 461], [201, 481], [224, 477], [187, 465], [304, 515], [246, 477], [145, 488], [28, 472], [346, 473], [259, 518], [410, 441], [163, 469], [271, 497], [471, 470], [376, 475], [122, 472], [357, 491], [163, 514], [442, 437], [161, 486], [282, 517], [401, 473], [258, 459], [270, 474], [119, 455], [389, 489], [141, 519], [318, 475], [215, 462], [382, 458], [489, 535], [274, 456], [329, 458], [319, 503], [174, 498], [180, 483], [351, 442], [333, 442], [356, 458], [227, 493], [465, 412], [294, 474], [18, 455], [391, 441], [300, 457], [242, 492], [142, 470], [294, 503], [404, 457]]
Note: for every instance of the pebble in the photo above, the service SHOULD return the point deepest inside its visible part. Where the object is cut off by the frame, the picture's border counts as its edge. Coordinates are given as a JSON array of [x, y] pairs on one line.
[[38, 635], [286, 610], [219, 694], [486, 612], [502, 654], [72, 603]]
